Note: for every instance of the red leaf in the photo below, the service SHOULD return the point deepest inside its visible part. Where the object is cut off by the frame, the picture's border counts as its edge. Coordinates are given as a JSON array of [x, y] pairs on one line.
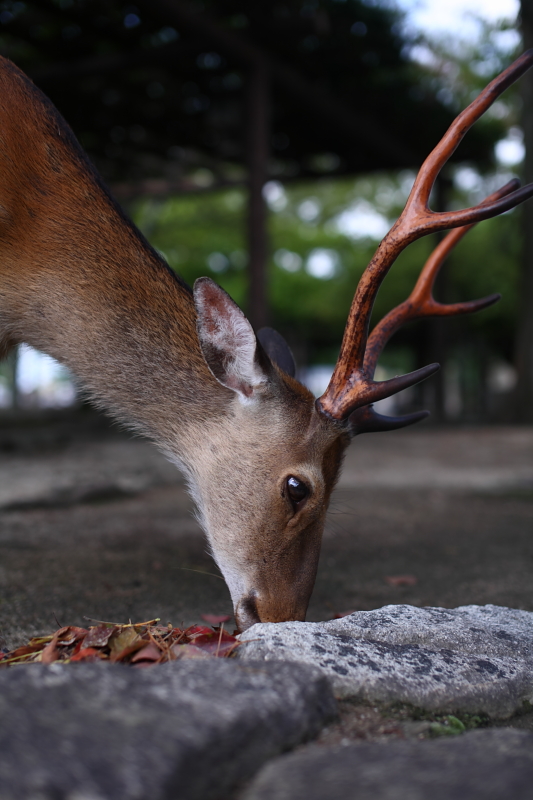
[[197, 630], [215, 619], [99, 636], [71, 634], [401, 580], [216, 643], [50, 652], [87, 654], [134, 648], [148, 653], [24, 650]]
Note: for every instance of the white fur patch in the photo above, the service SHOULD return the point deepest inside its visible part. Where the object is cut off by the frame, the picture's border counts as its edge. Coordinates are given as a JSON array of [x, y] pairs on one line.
[[235, 580], [239, 338], [223, 326]]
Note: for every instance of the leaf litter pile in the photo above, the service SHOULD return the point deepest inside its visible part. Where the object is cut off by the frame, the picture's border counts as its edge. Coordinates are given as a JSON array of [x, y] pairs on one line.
[[140, 644]]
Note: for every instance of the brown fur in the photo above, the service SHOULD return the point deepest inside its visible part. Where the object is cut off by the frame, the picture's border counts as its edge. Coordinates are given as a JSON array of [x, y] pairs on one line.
[[79, 282]]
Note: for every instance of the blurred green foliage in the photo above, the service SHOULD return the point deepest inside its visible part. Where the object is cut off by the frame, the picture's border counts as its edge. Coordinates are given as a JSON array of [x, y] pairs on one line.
[[338, 222], [204, 234]]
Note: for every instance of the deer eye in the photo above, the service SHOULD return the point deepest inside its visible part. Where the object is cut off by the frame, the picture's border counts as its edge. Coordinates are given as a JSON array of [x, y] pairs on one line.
[[297, 490]]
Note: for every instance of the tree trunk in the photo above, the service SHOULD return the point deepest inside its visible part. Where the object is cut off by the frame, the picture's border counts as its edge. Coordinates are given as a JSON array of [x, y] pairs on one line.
[[524, 345], [258, 130]]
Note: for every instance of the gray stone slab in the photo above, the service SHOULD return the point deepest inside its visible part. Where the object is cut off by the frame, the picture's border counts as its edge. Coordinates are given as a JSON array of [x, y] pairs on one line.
[[476, 659], [492, 630], [492, 764], [188, 729]]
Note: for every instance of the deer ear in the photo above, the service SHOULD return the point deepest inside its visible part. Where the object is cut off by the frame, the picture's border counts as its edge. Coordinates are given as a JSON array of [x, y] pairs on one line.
[[277, 350], [227, 340]]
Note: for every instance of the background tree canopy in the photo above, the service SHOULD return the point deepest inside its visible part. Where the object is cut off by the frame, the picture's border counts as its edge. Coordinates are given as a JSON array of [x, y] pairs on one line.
[[161, 95], [142, 84], [319, 251]]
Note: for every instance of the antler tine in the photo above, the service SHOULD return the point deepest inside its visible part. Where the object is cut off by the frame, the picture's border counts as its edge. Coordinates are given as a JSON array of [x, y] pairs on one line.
[[419, 197], [351, 386], [421, 302], [418, 305], [367, 420]]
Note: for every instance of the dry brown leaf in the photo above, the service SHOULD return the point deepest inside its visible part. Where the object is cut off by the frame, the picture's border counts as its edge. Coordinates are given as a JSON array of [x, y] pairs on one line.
[[122, 639], [180, 651]]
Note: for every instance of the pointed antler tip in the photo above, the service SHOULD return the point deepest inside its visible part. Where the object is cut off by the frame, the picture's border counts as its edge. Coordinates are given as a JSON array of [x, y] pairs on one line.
[[367, 420], [511, 185]]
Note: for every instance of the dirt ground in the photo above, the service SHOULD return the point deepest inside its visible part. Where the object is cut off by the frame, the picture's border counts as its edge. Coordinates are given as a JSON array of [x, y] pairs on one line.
[[93, 523], [96, 525]]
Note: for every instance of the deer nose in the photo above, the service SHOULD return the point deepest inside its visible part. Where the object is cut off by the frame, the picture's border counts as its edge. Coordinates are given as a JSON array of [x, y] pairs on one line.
[[246, 612]]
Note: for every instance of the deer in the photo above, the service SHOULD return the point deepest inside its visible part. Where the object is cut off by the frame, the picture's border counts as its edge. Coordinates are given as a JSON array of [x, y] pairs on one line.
[[185, 368]]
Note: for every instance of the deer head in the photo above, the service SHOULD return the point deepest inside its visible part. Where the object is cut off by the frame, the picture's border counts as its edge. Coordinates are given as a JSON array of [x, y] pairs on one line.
[[279, 490]]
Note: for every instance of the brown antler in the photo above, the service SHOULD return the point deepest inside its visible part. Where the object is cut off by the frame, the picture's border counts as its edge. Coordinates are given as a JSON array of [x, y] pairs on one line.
[[352, 385], [418, 305]]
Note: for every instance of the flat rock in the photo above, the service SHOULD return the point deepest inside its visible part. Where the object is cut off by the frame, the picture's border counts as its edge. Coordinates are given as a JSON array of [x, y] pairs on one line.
[[476, 659], [187, 729], [492, 764]]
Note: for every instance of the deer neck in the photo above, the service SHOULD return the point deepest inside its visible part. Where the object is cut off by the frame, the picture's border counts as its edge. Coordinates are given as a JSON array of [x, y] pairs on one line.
[[106, 305]]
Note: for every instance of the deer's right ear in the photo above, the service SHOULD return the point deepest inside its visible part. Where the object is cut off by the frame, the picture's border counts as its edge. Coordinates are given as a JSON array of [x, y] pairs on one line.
[[227, 340]]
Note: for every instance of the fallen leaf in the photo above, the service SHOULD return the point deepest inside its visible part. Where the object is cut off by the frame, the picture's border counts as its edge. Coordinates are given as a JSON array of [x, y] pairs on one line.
[[188, 651], [122, 639], [99, 636], [342, 614], [128, 651], [198, 630], [216, 643], [87, 654], [148, 653], [139, 644], [21, 656], [63, 637], [215, 619], [25, 650], [401, 580], [72, 634]]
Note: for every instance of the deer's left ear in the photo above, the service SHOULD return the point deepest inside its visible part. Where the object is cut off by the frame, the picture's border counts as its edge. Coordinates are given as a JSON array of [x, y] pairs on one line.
[[277, 350], [227, 340]]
